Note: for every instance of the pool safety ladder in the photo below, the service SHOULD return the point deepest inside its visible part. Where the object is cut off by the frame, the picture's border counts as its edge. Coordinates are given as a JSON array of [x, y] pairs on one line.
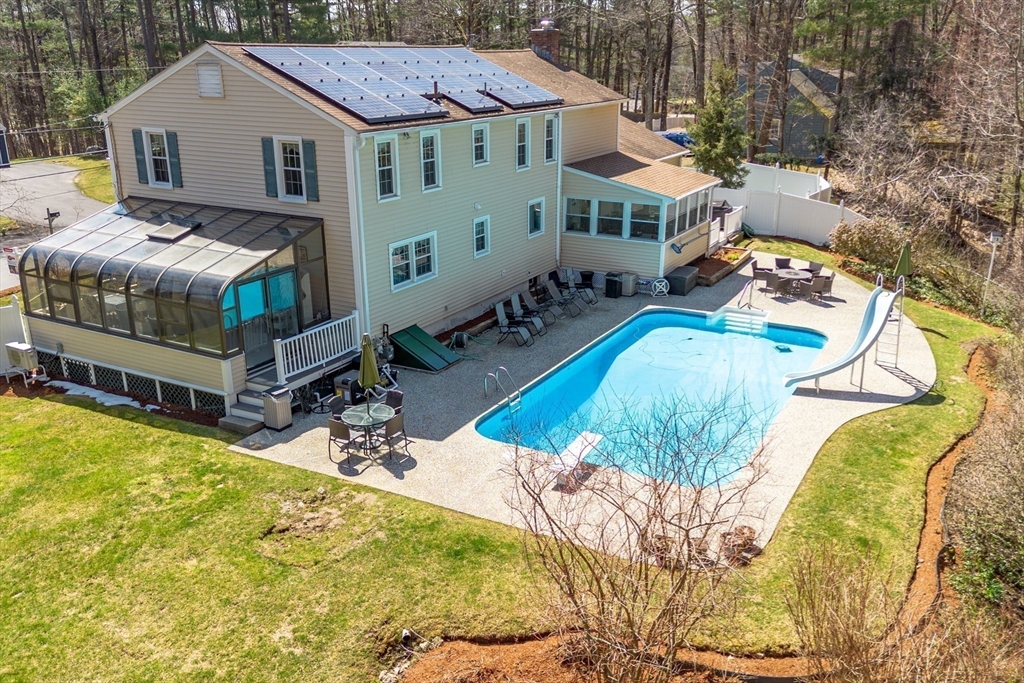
[[741, 320], [887, 348], [513, 398]]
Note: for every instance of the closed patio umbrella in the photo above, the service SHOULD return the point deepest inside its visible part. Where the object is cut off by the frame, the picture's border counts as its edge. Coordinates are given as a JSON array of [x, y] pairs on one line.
[[903, 264], [369, 375]]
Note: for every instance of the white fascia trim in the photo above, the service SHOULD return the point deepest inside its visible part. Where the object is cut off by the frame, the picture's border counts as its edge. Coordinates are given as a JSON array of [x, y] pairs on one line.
[[616, 183], [699, 189]]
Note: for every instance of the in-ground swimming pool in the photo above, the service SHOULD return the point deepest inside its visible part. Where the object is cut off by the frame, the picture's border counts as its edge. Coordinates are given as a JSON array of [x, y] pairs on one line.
[[662, 376]]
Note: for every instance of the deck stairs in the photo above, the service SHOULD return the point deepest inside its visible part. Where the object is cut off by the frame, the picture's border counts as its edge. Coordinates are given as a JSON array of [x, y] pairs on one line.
[[887, 348], [514, 398], [740, 320]]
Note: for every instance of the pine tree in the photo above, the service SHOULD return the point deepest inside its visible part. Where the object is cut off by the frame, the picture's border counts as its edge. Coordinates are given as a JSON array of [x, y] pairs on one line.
[[721, 142]]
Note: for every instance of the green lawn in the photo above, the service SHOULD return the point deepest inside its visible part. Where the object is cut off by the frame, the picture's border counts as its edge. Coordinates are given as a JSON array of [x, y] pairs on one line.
[[94, 181], [135, 547], [865, 488]]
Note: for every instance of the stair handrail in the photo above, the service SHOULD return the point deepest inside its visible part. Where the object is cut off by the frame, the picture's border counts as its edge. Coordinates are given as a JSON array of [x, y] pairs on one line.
[[748, 289]]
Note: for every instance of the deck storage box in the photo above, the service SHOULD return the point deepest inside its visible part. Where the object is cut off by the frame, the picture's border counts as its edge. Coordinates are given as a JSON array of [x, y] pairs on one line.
[[682, 280]]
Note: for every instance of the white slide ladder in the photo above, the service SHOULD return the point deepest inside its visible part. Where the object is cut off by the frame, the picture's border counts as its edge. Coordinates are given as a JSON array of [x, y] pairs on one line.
[[887, 348], [741, 320]]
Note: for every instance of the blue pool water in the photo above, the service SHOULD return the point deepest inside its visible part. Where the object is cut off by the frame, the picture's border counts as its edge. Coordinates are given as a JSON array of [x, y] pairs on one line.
[[670, 394]]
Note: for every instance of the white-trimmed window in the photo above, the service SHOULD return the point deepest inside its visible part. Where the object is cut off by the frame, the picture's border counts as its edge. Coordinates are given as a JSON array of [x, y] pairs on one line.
[[550, 138], [522, 144], [577, 215], [644, 221], [481, 144], [385, 159], [535, 217], [481, 236], [775, 130], [290, 175], [610, 218], [157, 158], [430, 159], [413, 260]]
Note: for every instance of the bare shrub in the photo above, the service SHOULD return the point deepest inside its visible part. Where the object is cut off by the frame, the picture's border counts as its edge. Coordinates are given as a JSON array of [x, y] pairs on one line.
[[849, 628], [985, 508], [638, 544]]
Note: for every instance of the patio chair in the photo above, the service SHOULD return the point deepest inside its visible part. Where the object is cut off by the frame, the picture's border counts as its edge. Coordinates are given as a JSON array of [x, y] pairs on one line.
[[818, 285], [814, 267], [393, 399], [542, 308], [564, 300], [341, 436], [826, 290], [782, 262], [804, 289], [536, 321], [771, 283], [337, 405], [518, 332], [395, 429]]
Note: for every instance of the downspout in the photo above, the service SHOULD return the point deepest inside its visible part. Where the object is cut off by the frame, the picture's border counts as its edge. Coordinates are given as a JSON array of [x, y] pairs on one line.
[[115, 172], [558, 199], [359, 233]]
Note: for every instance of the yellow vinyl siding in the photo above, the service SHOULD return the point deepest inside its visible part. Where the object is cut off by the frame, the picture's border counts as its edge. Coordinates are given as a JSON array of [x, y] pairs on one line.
[[694, 243], [130, 354], [222, 159], [604, 254], [462, 280], [589, 132]]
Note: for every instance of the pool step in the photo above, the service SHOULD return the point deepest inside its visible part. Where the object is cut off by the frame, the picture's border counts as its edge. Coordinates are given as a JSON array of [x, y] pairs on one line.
[[740, 320]]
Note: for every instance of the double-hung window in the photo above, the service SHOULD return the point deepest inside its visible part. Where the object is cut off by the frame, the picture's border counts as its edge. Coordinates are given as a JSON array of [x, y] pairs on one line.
[[157, 158], [535, 217], [413, 260], [481, 236], [577, 215], [481, 144], [550, 138], [386, 162], [430, 159], [522, 144], [290, 169]]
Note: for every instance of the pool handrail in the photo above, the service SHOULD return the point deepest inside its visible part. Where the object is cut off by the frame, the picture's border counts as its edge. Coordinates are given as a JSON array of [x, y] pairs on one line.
[[876, 314]]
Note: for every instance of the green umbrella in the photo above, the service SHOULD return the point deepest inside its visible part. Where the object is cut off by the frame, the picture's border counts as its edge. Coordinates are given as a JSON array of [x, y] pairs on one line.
[[369, 376], [903, 264]]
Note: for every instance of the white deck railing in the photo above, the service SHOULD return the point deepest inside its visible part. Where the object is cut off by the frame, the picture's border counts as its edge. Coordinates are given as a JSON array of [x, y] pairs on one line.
[[315, 347]]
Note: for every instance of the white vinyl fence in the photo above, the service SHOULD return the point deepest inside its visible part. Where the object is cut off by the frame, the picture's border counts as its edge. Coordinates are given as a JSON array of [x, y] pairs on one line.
[[785, 203]]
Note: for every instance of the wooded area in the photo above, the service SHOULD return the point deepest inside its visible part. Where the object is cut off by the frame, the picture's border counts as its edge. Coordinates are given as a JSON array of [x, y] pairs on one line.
[[915, 77]]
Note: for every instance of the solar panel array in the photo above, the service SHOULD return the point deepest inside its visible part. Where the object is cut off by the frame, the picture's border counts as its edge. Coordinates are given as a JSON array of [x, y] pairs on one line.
[[386, 84]]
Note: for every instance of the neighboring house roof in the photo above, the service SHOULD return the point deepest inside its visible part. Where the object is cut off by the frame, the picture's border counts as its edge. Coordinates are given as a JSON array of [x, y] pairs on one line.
[[645, 174], [574, 88], [634, 138], [806, 87]]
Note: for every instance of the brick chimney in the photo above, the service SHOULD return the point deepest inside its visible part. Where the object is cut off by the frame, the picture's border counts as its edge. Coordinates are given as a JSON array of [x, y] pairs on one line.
[[544, 40]]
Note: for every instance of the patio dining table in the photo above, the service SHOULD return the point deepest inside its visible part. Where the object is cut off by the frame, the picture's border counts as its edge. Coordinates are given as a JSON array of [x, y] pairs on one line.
[[367, 418], [793, 274]]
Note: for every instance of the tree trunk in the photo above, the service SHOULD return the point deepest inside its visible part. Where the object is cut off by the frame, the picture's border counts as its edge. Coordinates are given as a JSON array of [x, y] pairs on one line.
[[667, 68], [751, 63], [700, 67]]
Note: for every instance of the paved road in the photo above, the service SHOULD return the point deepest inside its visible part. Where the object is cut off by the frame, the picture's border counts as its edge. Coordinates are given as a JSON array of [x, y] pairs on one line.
[[26, 190]]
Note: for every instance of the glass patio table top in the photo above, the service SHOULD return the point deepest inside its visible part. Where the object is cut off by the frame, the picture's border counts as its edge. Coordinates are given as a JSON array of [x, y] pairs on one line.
[[369, 415]]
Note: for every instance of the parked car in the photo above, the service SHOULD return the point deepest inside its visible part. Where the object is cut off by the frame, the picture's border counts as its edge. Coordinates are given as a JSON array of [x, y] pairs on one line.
[[680, 138]]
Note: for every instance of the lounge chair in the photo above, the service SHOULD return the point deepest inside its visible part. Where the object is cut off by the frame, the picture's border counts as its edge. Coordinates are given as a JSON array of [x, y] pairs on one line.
[[518, 316], [341, 436], [563, 300], [394, 429], [586, 294], [782, 262], [547, 307], [518, 332], [394, 399]]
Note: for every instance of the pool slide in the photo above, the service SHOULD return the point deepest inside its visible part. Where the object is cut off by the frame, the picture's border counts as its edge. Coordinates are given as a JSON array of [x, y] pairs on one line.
[[875, 316]]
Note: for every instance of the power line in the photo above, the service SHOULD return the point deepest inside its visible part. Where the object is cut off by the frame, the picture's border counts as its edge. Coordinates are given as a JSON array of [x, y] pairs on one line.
[[30, 131], [78, 71], [54, 123]]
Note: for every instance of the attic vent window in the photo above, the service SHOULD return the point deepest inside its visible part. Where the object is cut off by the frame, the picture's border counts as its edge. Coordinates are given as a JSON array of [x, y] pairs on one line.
[[210, 83]]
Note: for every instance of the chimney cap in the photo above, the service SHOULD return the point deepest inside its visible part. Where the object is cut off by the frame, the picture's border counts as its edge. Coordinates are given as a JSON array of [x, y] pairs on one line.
[[547, 23]]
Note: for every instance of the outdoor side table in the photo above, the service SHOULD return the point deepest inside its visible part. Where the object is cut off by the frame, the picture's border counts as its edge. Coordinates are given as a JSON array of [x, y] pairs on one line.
[[368, 417]]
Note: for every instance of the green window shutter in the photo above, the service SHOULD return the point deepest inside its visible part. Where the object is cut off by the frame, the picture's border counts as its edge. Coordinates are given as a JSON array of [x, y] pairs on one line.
[[269, 167], [309, 168], [140, 156], [172, 157]]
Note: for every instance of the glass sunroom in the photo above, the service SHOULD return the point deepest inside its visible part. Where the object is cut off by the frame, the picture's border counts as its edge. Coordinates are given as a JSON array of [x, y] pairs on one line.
[[210, 280]]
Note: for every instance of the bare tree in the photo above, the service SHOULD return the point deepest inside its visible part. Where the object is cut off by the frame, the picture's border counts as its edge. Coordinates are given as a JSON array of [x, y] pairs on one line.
[[638, 546]]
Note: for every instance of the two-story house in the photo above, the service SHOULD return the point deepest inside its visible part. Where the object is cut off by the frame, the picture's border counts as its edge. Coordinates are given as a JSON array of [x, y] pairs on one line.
[[276, 201]]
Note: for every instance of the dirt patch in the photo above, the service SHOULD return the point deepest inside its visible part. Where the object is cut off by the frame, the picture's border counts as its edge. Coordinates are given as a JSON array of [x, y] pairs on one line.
[[36, 390], [539, 660]]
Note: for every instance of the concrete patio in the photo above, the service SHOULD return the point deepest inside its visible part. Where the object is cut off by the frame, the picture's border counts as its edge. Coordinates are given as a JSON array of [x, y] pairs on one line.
[[449, 464]]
